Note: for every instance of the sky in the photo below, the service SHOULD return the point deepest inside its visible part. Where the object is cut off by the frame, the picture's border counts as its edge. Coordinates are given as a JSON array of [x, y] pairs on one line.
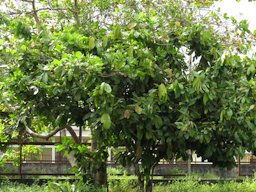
[[240, 10]]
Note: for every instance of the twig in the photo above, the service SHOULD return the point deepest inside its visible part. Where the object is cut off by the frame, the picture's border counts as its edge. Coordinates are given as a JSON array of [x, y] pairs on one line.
[[118, 73], [35, 13]]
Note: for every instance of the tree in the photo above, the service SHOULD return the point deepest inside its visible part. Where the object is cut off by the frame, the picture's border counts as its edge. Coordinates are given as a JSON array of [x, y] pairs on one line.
[[154, 77]]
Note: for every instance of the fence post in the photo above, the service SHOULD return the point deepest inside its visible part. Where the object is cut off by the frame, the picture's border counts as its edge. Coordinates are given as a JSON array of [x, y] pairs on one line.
[[239, 161], [189, 161], [20, 166]]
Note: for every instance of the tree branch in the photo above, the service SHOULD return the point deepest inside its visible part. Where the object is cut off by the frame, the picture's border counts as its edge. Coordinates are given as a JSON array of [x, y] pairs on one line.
[[52, 133], [117, 73], [73, 134], [4, 114], [10, 109], [76, 12], [28, 1], [49, 135], [38, 10], [52, 9], [35, 13]]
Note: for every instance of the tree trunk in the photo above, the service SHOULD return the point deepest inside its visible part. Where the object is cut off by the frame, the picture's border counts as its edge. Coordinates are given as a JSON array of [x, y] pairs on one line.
[[189, 153], [140, 177], [149, 187], [100, 175], [141, 183]]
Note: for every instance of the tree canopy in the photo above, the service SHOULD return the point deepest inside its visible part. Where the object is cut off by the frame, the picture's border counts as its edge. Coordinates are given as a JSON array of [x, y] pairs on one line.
[[153, 76]]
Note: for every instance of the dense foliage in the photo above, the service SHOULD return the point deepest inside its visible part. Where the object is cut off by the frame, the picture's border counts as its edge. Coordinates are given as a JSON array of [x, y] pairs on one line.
[[155, 77]]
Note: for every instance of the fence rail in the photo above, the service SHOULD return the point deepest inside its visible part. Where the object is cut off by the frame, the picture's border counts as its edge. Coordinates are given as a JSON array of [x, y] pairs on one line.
[[61, 167]]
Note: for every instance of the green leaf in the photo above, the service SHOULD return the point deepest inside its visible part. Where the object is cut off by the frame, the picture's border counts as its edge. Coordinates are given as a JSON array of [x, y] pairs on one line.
[[131, 25], [184, 110], [221, 115], [162, 92], [130, 51], [229, 113], [106, 120], [205, 99], [251, 69], [77, 96], [138, 109], [70, 75], [117, 32], [91, 43], [237, 138], [105, 41], [250, 124], [158, 121], [251, 107], [45, 78], [58, 70], [197, 84], [78, 54], [107, 88], [149, 134]]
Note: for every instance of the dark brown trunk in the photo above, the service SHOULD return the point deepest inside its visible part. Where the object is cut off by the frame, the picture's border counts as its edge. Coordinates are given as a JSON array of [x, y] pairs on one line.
[[93, 145], [101, 176]]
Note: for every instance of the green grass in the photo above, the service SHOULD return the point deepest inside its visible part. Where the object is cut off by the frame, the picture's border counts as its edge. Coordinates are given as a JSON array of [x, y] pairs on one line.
[[16, 187], [128, 184], [194, 186]]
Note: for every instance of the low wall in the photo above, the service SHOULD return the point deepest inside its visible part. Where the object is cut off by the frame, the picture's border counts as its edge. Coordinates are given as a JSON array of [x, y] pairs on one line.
[[241, 170], [162, 169], [36, 169], [195, 168]]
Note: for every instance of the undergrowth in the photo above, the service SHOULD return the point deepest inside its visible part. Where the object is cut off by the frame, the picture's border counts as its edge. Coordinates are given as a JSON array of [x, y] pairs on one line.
[[126, 184]]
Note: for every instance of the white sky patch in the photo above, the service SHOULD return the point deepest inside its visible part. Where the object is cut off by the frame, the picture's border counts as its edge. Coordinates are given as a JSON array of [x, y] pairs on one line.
[[240, 10]]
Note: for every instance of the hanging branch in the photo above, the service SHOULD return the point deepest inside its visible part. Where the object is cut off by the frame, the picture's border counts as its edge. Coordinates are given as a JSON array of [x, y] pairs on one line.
[[52, 133], [49, 135]]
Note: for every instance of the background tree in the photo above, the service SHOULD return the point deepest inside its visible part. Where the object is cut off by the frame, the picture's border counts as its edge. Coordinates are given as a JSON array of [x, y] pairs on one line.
[[154, 77]]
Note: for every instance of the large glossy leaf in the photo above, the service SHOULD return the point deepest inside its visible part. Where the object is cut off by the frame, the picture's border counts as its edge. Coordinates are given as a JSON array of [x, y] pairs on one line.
[[91, 43], [105, 120]]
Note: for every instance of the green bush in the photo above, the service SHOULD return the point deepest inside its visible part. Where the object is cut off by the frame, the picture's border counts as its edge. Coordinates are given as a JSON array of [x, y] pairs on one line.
[[117, 171], [129, 184], [123, 184], [74, 187], [16, 187], [195, 186]]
